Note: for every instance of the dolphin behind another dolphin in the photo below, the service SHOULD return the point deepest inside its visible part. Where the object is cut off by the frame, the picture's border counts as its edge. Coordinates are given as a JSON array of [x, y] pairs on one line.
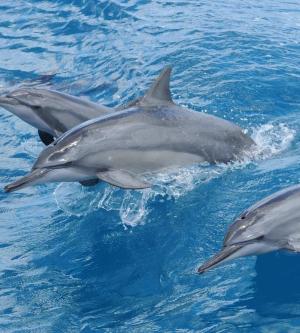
[[271, 224], [50, 111], [123, 147]]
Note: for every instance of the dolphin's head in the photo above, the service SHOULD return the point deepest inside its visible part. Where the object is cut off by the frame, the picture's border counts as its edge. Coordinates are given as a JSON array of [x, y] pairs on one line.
[[245, 237], [44, 159], [14, 106], [241, 225], [59, 153], [270, 224], [264, 217], [26, 103], [50, 157]]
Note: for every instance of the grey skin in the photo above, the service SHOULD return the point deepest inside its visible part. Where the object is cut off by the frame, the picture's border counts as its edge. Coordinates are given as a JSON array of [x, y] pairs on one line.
[[271, 224], [52, 112], [123, 147]]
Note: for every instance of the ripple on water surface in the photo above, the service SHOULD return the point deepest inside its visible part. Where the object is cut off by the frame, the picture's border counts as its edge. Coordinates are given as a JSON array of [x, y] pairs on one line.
[[106, 260]]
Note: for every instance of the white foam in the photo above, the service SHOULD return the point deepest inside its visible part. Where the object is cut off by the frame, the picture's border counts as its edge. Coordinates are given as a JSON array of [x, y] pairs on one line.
[[133, 205], [272, 139]]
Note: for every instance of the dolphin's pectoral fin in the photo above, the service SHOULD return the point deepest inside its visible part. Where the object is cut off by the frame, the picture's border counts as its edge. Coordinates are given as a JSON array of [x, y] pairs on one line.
[[45, 137], [90, 182], [123, 179]]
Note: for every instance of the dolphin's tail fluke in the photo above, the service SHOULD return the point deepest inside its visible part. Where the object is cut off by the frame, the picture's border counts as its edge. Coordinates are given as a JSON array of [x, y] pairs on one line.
[[225, 254], [32, 178]]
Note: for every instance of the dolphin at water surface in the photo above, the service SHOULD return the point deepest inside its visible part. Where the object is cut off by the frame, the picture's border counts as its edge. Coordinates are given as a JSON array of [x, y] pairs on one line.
[[122, 148], [52, 112], [271, 224]]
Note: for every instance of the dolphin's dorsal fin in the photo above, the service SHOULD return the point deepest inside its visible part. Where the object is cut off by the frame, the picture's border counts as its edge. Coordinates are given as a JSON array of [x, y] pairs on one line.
[[159, 93]]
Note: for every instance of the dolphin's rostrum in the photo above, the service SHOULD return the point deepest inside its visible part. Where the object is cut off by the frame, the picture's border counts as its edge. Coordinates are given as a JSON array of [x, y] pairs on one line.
[[271, 224], [123, 147]]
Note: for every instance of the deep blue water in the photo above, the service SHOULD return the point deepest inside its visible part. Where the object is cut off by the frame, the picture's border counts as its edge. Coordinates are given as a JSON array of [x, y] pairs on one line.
[[104, 260]]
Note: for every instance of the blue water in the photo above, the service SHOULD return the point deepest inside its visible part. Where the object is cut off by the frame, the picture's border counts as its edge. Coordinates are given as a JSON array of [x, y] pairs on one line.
[[76, 259]]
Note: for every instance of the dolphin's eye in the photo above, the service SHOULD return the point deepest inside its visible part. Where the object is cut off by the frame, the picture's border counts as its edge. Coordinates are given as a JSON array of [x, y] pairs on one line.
[[243, 216]]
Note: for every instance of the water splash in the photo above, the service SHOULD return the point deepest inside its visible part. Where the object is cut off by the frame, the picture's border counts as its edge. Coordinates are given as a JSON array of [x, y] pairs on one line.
[[133, 206], [272, 139]]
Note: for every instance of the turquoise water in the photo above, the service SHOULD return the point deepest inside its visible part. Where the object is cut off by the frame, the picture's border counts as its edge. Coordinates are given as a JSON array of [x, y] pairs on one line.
[[76, 259]]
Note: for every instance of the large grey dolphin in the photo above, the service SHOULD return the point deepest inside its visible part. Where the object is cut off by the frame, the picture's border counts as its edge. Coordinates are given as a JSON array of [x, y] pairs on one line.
[[122, 148], [271, 224]]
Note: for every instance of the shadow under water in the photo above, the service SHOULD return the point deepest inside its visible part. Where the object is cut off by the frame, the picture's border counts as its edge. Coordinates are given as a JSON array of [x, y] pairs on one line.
[[276, 291]]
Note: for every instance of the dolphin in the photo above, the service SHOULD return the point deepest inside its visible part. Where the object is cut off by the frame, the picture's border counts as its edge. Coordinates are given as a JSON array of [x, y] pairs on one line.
[[52, 112], [123, 148], [271, 224]]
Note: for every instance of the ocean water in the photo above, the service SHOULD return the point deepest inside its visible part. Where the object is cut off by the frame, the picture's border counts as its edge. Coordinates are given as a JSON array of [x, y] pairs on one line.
[[76, 259]]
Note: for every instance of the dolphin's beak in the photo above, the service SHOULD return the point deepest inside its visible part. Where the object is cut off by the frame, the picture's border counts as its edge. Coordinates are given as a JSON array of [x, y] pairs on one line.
[[224, 255], [30, 179]]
